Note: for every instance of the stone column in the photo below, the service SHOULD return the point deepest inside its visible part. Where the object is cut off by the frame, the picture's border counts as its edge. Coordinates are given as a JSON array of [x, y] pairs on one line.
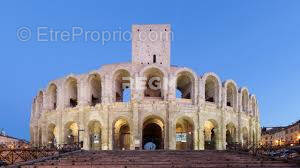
[[61, 103], [222, 133], [107, 89], [171, 95], [171, 125], [83, 91], [135, 130], [201, 92]]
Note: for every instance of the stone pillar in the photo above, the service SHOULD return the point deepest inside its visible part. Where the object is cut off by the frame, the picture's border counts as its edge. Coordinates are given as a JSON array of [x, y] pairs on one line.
[[220, 143], [86, 139], [44, 135], [135, 130], [201, 92], [104, 138], [200, 129], [223, 99], [201, 140], [107, 89], [171, 125], [83, 91], [61, 104], [172, 136], [107, 130], [171, 87], [195, 139], [222, 133]]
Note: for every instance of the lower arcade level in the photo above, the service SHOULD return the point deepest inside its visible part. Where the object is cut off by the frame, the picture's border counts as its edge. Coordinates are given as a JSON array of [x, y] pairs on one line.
[[146, 125]]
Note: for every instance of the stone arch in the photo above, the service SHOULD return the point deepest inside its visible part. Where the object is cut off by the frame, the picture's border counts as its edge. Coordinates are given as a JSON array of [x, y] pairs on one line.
[[231, 93], [211, 134], [231, 134], [72, 92], [185, 83], [52, 135], [184, 129], [253, 105], [94, 129], [52, 96], [95, 89], [40, 104], [245, 137], [71, 132], [122, 134], [153, 131], [245, 98], [121, 85], [154, 84], [212, 85]]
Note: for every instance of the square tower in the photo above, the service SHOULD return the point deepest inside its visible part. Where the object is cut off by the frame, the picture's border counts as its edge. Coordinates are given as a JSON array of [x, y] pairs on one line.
[[151, 44]]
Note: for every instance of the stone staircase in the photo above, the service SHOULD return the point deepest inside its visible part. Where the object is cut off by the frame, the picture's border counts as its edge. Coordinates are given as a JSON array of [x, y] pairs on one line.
[[158, 159]]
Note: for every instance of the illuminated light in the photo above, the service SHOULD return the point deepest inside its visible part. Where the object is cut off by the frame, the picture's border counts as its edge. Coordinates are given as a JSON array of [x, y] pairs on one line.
[[299, 137]]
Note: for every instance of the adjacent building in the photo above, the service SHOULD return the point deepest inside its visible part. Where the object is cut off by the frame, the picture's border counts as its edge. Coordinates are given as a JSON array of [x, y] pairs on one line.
[[12, 142], [281, 136]]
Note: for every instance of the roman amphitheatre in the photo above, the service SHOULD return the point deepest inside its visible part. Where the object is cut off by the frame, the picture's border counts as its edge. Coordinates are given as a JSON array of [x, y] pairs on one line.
[[124, 106]]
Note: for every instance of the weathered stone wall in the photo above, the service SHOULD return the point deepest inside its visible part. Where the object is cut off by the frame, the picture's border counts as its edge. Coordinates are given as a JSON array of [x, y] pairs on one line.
[[52, 106]]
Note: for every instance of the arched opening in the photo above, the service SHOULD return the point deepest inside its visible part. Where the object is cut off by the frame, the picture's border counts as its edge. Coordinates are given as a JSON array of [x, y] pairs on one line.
[[122, 135], [184, 85], [184, 134], [71, 133], [154, 58], [52, 97], [211, 89], [245, 137], [210, 134], [230, 134], [154, 83], [231, 95], [153, 134], [94, 131], [52, 135], [122, 86], [245, 100], [72, 92], [95, 89]]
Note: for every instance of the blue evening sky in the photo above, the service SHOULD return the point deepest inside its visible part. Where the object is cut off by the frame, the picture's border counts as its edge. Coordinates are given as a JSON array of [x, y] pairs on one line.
[[254, 42]]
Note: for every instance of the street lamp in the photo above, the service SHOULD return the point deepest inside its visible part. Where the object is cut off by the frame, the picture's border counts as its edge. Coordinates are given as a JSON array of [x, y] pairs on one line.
[[79, 130]]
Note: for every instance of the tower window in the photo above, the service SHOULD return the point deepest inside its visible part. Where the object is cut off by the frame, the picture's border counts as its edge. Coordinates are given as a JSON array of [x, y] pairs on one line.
[[154, 58]]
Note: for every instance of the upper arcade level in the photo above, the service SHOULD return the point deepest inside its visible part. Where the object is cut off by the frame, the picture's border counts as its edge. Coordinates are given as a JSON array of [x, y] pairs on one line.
[[124, 83]]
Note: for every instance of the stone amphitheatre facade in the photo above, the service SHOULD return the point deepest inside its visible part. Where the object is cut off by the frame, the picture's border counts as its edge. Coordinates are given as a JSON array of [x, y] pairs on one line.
[[126, 105]]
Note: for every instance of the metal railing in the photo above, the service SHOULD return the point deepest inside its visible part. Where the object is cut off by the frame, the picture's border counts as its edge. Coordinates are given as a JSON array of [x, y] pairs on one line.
[[10, 156], [265, 152]]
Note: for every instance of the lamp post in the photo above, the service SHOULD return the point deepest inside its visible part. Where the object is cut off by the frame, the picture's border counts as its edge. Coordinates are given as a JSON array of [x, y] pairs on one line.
[[79, 130]]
